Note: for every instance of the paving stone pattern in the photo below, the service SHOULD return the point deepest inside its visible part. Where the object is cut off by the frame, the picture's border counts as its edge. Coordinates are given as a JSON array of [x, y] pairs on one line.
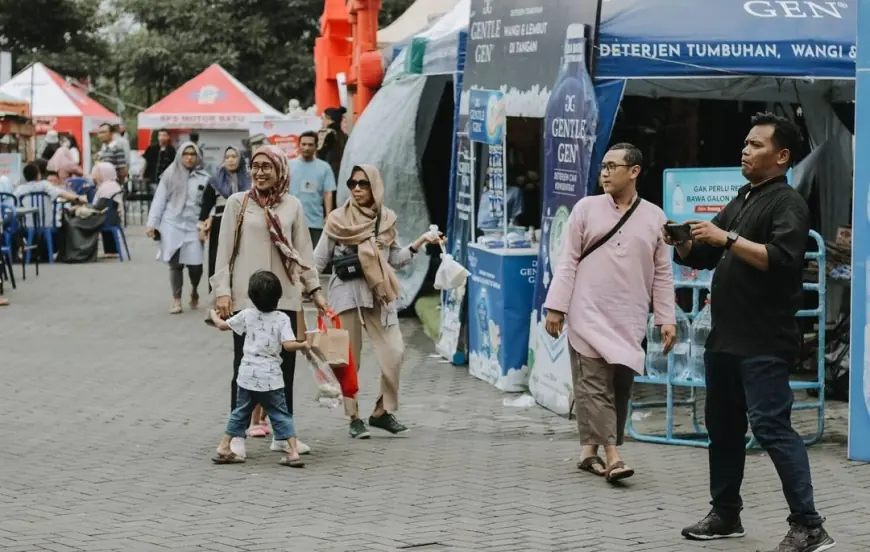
[[111, 410]]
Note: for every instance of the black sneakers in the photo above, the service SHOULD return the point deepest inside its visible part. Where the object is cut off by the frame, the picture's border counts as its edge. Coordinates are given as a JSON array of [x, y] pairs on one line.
[[805, 539], [358, 429], [388, 422], [714, 527]]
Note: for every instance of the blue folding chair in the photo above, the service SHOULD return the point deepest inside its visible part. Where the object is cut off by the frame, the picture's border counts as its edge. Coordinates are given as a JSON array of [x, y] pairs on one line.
[[42, 202], [113, 226]]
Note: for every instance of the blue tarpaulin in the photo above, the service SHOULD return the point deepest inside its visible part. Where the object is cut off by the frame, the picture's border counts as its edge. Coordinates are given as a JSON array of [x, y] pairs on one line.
[[709, 38]]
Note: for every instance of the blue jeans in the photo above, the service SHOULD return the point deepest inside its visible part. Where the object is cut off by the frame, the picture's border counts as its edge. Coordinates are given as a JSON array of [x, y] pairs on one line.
[[757, 386], [275, 405]]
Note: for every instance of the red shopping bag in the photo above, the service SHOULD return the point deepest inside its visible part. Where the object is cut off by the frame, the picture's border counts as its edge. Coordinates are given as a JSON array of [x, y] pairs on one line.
[[346, 375]]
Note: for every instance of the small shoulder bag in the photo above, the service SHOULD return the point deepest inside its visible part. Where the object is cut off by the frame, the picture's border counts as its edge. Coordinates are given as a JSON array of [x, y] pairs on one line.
[[592, 248], [348, 267]]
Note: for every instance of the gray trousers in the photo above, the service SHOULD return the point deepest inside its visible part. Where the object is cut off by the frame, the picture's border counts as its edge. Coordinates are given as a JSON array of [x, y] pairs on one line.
[[176, 276]]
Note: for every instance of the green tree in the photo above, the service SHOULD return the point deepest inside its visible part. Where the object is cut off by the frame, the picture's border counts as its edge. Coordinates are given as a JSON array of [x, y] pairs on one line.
[[63, 34]]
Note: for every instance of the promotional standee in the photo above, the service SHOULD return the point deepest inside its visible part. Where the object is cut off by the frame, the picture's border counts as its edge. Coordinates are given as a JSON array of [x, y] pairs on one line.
[[502, 279], [569, 136], [460, 234], [859, 361], [10, 166], [499, 299]]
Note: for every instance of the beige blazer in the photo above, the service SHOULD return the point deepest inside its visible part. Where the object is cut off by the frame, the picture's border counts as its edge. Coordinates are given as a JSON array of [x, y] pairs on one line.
[[256, 252]]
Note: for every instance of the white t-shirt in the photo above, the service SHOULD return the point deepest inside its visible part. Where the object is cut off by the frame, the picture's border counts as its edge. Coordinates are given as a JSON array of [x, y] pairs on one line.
[[264, 332]]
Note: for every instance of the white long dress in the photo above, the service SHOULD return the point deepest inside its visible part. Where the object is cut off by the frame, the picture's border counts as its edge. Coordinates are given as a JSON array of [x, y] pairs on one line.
[[178, 231]]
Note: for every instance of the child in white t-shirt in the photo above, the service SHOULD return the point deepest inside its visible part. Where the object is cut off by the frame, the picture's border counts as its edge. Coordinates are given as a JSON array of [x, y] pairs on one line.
[[267, 331]]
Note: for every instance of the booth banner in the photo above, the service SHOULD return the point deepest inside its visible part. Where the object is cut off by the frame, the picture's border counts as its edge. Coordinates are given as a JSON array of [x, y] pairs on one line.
[[458, 236], [495, 183], [570, 130], [10, 166], [285, 133], [859, 358], [609, 94], [499, 298], [486, 117], [516, 46], [224, 121], [698, 194]]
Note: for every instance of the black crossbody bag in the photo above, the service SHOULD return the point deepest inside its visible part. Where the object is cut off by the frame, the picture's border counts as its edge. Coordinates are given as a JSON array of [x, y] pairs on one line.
[[589, 250], [347, 267]]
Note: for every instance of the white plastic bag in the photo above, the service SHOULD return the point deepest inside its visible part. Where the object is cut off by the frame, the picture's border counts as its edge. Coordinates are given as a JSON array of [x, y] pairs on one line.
[[328, 389], [450, 274]]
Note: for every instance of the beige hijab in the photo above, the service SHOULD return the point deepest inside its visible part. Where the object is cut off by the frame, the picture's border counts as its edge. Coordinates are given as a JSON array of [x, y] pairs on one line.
[[353, 224]]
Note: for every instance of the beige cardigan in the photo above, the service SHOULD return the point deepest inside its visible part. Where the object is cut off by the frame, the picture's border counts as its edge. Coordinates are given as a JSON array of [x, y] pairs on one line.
[[256, 252]]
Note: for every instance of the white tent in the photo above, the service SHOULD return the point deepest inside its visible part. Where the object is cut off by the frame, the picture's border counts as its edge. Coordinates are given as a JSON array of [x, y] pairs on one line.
[[416, 18]]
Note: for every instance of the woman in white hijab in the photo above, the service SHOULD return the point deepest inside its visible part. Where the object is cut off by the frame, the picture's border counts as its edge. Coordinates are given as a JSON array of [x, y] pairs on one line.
[[173, 221]]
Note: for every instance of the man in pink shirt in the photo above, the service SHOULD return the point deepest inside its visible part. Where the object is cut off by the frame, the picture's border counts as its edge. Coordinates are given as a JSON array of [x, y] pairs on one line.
[[606, 301]]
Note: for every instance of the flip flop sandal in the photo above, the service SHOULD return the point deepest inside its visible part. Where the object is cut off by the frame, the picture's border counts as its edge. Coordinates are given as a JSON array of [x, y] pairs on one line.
[[4, 302], [588, 465], [230, 458], [298, 463], [176, 310], [624, 474]]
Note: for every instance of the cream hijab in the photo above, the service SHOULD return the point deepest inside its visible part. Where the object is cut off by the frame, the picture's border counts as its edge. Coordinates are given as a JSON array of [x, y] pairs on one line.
[[176, 176], [354, 224]]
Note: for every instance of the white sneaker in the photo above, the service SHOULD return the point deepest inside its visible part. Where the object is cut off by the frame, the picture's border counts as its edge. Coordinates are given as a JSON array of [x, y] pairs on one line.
[[237, 446], [281, 446]]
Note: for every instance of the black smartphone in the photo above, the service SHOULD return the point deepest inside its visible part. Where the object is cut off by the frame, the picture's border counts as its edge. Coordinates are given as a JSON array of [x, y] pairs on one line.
[[679, 232], [156, 235]]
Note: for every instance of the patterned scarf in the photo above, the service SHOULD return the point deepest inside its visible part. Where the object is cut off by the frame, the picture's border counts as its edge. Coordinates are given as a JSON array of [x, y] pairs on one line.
[[290, 258]]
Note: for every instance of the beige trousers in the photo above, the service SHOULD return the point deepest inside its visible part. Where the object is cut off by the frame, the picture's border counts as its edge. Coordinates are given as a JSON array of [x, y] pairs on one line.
[[389, 349], [602, 392]]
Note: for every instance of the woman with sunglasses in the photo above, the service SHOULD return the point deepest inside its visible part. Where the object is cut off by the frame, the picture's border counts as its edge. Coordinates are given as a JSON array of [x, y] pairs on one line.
[[261, 229], [360, 238]]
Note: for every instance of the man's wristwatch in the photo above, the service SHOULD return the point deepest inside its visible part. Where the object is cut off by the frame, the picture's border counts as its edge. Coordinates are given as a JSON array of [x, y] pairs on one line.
[[732, 237]]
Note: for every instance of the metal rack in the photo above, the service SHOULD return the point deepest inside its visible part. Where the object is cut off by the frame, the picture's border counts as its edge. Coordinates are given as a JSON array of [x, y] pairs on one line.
[[698, 438]]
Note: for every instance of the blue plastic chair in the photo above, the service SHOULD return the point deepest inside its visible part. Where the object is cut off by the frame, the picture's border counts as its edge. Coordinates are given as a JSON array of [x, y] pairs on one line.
[[44, 205], [113, 226], [8, 199], [8, 232]]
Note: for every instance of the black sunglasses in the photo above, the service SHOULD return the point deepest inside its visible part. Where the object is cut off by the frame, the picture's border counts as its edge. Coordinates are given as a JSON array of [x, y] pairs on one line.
[[351, 184]]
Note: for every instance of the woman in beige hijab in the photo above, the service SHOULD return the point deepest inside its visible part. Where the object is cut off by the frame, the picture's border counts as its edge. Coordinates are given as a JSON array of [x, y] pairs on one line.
[[362, 234]]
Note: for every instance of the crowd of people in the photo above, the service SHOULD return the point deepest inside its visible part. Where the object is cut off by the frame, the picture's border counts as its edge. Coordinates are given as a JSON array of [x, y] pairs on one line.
[[272, 230]]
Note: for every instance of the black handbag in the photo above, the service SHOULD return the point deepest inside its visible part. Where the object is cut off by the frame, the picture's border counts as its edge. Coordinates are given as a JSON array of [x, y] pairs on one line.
[[348, 267]]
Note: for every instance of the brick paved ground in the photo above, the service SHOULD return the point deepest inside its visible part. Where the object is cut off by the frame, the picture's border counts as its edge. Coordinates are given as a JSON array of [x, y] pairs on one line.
[[111, 410]]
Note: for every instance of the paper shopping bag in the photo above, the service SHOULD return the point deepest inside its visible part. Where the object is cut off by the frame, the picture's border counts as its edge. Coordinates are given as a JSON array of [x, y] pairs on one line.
[[331, 344]]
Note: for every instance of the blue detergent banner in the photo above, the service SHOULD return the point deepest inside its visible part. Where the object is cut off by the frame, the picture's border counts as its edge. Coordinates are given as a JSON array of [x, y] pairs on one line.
[[450, 342], [859, 359], [499, 300], [646, 39], [486, 117], [570, 129]]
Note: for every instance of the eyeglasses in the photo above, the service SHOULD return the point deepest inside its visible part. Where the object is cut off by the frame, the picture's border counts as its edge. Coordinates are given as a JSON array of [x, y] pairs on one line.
[[610, 167], [351, 184], [265, 169]]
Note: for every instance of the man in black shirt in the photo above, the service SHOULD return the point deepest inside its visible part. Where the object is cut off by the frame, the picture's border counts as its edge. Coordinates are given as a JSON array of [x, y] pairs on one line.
[[756, 244], [158, 157]]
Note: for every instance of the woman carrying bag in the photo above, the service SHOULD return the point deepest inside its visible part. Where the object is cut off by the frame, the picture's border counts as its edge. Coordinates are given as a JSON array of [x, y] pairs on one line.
[[264, 229], [360, 238]]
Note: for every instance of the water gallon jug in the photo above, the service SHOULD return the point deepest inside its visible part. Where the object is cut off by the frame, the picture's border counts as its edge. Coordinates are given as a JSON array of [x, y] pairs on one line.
[[682, 348], [700, 330], [656, 361]]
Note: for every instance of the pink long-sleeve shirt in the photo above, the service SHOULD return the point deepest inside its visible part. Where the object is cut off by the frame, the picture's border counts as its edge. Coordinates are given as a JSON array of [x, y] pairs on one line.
[[606, 298]]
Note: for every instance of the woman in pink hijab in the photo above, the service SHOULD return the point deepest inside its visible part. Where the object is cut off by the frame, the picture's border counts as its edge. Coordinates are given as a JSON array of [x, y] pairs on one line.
[[63, 162]]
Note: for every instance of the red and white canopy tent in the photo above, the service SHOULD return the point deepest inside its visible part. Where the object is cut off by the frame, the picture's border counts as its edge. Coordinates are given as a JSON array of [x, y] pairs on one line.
[[56, 104], [213, 100]]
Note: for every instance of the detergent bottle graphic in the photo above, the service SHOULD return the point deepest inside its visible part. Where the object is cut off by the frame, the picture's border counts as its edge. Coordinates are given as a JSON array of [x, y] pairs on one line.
[[482, 309], [678, 201]]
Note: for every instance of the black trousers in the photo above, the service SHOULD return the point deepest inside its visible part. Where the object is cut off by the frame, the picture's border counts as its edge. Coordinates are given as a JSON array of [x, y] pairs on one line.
[[288, 366], [757, 386]]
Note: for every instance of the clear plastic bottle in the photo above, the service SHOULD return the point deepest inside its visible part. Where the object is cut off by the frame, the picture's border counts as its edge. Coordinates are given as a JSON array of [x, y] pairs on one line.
[[700, 330]]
